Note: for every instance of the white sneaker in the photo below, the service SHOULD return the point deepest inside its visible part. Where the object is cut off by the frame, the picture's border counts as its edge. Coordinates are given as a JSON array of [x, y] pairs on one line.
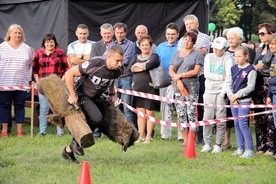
[[206, 148], [216, 149], [238, 152], [247, 154]]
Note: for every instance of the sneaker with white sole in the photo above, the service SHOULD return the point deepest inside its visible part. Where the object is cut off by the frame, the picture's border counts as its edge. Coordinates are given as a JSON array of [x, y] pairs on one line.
[[247, 154], [206, 148], [216, 149], [238, 152]]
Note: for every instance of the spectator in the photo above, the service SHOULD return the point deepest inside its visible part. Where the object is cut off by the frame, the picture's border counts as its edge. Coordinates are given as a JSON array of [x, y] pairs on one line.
[[107, 33], [184, 70], [106, 71], [165, 50], [140, 66], [271, 95], [262, 62], [253, 45], [141, 30], [99, 49], [125, 80], [216, 67], [79, 51], [241, 84], [49, 59], [234, 36], [203, 46], [15, 62]]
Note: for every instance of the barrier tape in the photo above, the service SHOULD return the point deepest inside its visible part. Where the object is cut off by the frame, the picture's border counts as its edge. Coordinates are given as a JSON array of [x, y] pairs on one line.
[[169, 100], [11, 88], [191, 124]]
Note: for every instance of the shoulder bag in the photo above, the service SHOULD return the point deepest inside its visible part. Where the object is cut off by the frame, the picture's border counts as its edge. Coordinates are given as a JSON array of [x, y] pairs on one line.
[[159, 77]]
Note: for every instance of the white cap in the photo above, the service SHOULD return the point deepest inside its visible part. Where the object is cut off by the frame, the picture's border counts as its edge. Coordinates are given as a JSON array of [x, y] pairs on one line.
[[219, 43]]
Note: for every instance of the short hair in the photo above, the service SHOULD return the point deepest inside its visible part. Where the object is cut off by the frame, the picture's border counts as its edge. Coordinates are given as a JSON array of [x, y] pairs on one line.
[[192, 35], [116, 49], [82, 26], [12, 27], [146, 37], [49, 36], [272, 39], [106, 26], [172, 25], [237, 31], [244, 50], [271, 28], [143, 26], [190, 17], [120, 25]]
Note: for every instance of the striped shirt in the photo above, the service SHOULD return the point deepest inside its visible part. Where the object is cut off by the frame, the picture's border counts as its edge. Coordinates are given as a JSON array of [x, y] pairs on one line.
[[15, 65]]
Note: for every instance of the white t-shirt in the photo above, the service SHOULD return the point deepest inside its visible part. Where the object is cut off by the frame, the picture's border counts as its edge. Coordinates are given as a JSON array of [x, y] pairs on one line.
[[77, 47]]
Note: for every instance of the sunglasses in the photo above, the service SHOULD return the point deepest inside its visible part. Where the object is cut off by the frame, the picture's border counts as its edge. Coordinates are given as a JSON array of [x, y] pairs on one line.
[[262, 34]]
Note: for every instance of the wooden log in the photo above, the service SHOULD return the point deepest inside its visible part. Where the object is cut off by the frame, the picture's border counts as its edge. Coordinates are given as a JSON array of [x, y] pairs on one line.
[[54, 89], [117, 127], [79, 128]]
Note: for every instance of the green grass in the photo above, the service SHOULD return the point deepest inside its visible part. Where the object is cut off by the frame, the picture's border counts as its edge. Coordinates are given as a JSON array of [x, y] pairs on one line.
[[38, 160]]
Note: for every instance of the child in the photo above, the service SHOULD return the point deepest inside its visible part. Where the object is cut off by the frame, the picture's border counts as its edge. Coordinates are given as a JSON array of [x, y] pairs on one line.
[[271, 93], [216, 67], [241, 84]]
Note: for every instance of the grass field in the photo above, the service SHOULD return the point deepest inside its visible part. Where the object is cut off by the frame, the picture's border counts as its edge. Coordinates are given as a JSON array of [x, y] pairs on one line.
[[37, 160]]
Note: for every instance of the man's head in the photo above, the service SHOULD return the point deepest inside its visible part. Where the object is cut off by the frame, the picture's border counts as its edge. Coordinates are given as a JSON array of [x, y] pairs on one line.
[[172, 33], [120, 30], [82, 33], [191, 22], [114, 57], [107, 32], [219, 46], [140, 31], [234, 37]]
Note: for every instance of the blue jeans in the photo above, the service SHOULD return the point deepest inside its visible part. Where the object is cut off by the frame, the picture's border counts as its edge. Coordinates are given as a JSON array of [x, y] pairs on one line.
[[274, 114], [125, 83], [43, 112], [242, 130]]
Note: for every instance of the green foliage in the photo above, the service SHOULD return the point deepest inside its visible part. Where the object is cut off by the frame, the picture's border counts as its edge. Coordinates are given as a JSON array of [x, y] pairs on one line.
[[227, 14], [272, 3]]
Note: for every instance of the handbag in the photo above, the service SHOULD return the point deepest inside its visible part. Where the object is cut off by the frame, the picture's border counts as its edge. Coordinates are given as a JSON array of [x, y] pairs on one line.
[[159, 77]]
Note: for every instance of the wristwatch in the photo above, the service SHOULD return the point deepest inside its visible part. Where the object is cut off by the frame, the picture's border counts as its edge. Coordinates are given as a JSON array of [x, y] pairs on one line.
[[82, 55]]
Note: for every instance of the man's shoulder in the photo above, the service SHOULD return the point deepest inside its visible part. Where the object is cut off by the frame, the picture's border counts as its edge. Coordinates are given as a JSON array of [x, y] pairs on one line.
[[73, 43], [98, 43], [90, 42]]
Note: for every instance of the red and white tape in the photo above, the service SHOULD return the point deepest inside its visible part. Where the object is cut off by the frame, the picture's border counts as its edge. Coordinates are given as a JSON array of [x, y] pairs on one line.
[[169, 100], [190, 124], [12, 88]]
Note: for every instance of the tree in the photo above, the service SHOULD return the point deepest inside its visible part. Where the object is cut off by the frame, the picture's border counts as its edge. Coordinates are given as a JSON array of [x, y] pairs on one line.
[[247, 14]]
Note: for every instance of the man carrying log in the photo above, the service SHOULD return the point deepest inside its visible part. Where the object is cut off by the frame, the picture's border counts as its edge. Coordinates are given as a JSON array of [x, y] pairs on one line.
[[97, 76]]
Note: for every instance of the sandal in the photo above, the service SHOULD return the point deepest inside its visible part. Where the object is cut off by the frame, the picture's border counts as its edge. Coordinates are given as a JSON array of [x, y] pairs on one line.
[[147, 141], [20, 134], [226, 146], [4, 134], [140, 140]]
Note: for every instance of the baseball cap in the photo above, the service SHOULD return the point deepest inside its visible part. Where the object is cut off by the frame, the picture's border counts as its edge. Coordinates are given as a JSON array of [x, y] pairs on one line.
[[219, 43]]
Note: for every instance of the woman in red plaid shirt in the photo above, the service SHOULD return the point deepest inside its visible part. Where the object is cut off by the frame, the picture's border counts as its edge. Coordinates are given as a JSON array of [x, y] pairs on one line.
[[48, 60]]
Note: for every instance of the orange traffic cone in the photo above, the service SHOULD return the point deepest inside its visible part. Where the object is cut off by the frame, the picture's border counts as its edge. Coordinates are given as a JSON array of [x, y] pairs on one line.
[[189, 149], [85, 173]]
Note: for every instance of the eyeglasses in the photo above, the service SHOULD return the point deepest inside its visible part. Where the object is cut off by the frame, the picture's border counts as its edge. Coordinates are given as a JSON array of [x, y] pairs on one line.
[[262, 34]]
